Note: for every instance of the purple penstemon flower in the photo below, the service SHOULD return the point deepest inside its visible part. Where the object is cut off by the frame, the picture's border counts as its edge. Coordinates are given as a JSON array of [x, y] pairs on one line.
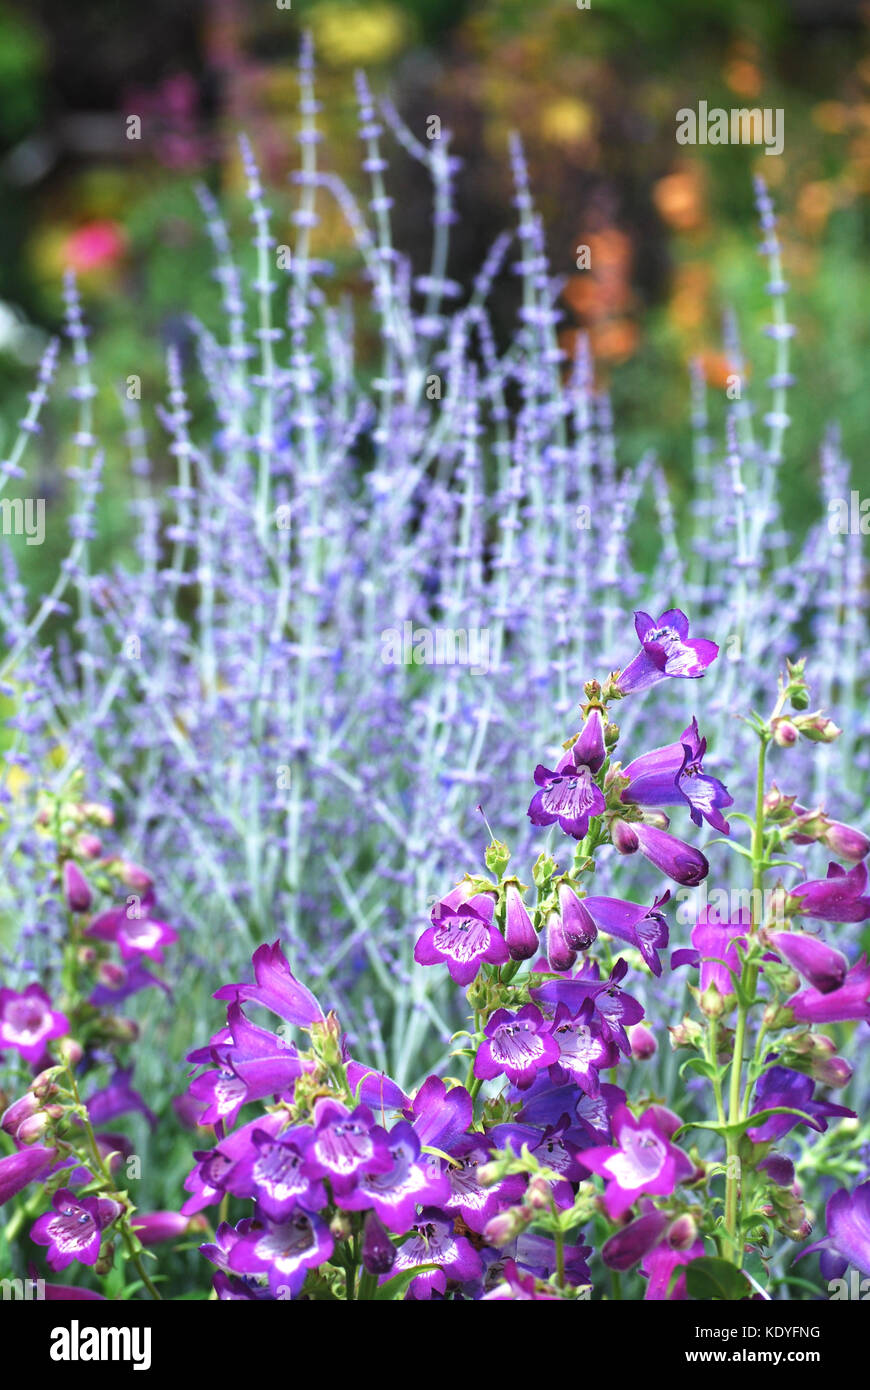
[[823, 967], [841, 897], [28, 1022], [345, 1144], [847, 1220], [851, 1000], [674, 775], [714, 948], [643, 1161], [134, 931], [207, 1181], [73, 1229], [276, 988], [517, 1286], [283, 1251], [666, 650], [614, 1010], [782, 1086], [644, 928], [466, 1196], [659, 1265], [568, 794], [273, 1173], [440, 1114], [434, 1242], [462, 936], [583, 1053], [516, 1045], [411, 1180]]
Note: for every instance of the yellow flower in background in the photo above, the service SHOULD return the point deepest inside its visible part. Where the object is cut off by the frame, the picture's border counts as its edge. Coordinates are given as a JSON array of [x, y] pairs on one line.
[[345, 35], [566, 121]]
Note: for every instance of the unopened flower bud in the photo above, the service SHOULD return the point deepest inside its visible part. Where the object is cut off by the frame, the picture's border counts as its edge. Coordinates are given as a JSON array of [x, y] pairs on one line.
[[106, 1260], [643, 1044], [123, 1029], [19, 1111], [76, 888], [785, 734], [488, 1173], [44, 1085], [31, 1130], [505, 1226], [520, 934], [133, 876], [660, 819], [817, 727], [89, 846], [777, 1016], [560, 956], [340, 1227], [111, 974], [689, 1033], [97, 813], [577, 925], [539, 1194], [611, 735], [712, 1001], [378, 1251], [846, 842], [832, 1071], [682, 1233], [71, 1051], [622, 837]]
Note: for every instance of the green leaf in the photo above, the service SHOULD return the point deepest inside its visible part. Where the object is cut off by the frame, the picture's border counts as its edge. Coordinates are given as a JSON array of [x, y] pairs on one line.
[[710, 1278], [739, 1127], [397, 1287]]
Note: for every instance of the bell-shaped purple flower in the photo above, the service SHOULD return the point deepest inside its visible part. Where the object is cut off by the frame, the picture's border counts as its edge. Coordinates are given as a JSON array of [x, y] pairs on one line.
[[674, 776], [20, 1169], [433, 1241], [276, 988], [462, 936], [851, 1000], [583, 1051], [28, 1022], [666, 650], [644, 928], [516, 1045], [73, 1229], [629, 1245], [714, 948], [643, 1161], [841, 897], [847, 1218], [567, 795], [467, 1197], [821, 965], [410, 1180], [284, 1252], [793, 1090], [378, 1251], [589, 750]]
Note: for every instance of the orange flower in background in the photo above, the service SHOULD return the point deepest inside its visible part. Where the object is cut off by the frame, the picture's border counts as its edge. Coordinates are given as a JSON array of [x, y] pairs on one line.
[[94, 246], [602, 295], [689, 309], [814, 204], [679, 198], [717, 369]]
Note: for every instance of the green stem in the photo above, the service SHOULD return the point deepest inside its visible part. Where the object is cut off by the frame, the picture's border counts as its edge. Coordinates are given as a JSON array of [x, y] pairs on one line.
[[738, 1102]]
